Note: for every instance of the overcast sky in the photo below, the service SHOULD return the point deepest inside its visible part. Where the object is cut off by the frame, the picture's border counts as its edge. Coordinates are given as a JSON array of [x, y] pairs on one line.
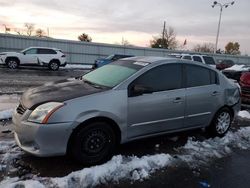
[[135, 20]]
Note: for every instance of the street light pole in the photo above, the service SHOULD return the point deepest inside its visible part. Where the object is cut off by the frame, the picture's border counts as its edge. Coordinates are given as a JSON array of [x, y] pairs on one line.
[[218, 29]]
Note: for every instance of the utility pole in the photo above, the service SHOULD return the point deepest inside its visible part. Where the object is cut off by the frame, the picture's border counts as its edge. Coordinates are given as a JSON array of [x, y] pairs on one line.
[[48, 31], [163, 33], [218, 29]]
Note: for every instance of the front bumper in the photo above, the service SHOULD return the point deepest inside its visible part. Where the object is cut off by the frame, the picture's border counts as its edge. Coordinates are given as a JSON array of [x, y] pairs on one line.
[[41, 139]]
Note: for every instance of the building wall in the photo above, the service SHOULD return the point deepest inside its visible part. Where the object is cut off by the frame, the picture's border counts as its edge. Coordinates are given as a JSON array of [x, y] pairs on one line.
[[86, 53]]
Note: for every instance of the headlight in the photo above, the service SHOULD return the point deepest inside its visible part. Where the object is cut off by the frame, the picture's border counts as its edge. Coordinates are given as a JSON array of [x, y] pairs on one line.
[[43, 112]]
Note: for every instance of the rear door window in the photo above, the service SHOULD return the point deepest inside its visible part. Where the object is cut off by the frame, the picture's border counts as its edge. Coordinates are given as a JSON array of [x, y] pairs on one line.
[[197, 76], [209, 60], [197, 58], [46, 51]]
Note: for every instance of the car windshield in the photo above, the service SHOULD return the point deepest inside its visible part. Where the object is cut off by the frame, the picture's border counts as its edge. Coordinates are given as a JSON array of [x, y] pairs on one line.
[[24, 50], [113, 74]]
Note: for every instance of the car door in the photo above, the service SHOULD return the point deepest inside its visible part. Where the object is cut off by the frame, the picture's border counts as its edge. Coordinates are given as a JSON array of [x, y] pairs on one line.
[[29, 57], [160, 105], [202, 95], [46, 55]]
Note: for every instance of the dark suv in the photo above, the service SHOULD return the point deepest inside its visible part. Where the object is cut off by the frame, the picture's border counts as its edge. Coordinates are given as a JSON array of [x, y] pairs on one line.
[[104, 61]]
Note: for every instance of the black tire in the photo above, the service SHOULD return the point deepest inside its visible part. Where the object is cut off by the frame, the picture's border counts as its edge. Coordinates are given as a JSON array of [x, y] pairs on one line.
[[221, 123], [93, 144], [12, 63], [54, 65]]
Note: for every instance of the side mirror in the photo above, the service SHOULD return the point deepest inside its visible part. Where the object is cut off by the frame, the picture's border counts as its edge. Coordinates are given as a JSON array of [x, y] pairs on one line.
[[24, 53], [137, 90]]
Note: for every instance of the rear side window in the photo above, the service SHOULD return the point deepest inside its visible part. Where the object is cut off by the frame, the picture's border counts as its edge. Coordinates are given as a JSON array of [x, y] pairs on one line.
[[213, 77], [46, 51], [197, 58], [197, 76], [162, 78], [209, 60], [187, 57]]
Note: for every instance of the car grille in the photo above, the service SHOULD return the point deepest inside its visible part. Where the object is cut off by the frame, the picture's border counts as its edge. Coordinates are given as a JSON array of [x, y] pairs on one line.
[[21, 109]]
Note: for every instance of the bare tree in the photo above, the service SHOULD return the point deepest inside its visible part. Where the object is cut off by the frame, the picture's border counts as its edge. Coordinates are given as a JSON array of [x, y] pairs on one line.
[[205, 47], [18, 31], [168, 40], [84, 37], [40, 33], [29, 28]]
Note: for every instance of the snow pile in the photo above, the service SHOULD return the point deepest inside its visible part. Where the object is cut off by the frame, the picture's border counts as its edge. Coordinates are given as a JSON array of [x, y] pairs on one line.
[[117, 168], [196, 152], [8, 152], [9, 183], [134, 168], [77, 66], [6, 114], [244, 114], [238, 68]]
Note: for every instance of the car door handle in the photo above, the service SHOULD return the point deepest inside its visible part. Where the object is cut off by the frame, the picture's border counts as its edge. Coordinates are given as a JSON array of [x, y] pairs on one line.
[[177, 100], [215, 93]]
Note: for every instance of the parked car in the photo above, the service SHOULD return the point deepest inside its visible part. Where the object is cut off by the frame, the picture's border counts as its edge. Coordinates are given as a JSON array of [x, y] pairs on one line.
[[104, 61], [53, 58], [209, 60], [236, 71], [245, 89], [123, 101], [223, 64]]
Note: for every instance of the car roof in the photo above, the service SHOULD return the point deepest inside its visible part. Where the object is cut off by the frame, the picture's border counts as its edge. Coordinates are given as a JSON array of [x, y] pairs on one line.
[[167, 59], [148, 59], [43, 47]]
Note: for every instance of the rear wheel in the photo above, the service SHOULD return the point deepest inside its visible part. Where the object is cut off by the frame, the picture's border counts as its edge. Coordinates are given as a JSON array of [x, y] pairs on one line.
[[221, 122], [54, 65], [12, 63], [93, 144]]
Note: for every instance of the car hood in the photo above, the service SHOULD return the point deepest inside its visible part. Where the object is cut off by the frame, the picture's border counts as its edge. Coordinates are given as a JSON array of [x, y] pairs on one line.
[[9, 53], [57, 92]]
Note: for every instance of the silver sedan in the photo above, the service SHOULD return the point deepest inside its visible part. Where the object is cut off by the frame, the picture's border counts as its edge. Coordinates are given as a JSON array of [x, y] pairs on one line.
[[129, 99]]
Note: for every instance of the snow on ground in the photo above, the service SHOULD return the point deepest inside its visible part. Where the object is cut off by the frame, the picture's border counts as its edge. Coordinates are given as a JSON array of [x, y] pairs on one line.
[[8, 152], [8, 101], [7, 105], [6, 114], [76, 66], [238, 68], [244, 114], [139, 168]]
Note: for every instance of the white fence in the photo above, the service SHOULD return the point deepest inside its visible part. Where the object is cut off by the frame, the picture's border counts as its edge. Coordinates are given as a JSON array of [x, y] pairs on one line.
[[85, 53]]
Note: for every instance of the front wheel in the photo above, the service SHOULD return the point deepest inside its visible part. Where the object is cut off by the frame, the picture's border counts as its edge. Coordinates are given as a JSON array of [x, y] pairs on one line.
[[221, 122], [94, 144], [12, 63]]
